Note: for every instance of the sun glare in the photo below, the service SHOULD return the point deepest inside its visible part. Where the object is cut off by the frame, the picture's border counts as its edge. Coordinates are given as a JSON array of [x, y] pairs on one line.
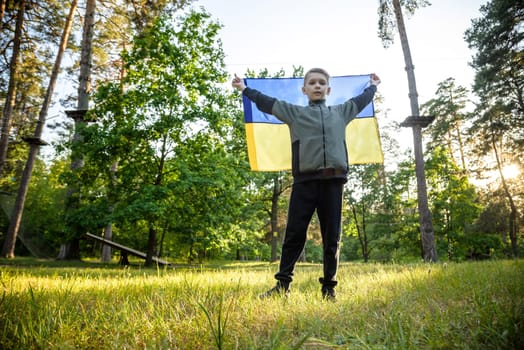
[[511, 171]]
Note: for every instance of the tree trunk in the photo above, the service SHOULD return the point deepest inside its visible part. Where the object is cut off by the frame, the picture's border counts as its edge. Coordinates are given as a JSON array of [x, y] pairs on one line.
[[151, 246], [162, 238], [108, 230], [361, 235], [426, 227], [10, 98], [513, 224], [461, 146], [302, 257], [84, 81], [9, 244], [152, 243], [82, 105], [69, 251], [2, 13], [450, 146], [106, 250]]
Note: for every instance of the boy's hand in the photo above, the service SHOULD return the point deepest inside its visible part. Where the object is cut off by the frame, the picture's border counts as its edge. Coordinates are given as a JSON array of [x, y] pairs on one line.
[[238, 83], [375, 80]]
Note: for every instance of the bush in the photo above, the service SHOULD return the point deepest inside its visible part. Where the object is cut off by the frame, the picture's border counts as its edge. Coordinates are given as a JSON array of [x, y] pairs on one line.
[[480, 246]]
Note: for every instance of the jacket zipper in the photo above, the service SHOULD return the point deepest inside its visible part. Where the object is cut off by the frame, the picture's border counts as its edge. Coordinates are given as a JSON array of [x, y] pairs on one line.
[[323, 135]]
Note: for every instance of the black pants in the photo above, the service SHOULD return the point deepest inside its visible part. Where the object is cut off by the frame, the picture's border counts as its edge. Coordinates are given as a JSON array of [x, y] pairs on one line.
[[324, 196]]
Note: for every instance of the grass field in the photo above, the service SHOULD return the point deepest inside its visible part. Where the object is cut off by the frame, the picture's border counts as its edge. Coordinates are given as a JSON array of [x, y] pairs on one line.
[[47, 305]]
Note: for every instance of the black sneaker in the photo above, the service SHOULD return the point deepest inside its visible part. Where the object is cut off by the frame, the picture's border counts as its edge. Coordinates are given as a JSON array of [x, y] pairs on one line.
[[277, 291], [329, 294]]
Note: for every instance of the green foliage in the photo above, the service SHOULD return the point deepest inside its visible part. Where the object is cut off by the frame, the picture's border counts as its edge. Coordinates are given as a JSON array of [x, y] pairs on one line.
[[454, 201], [498, 61], [494, 216], [14, 168], [364, 195], [314, 251], [448, 108], [497, 37], [161, 149], [42, 27], [479, 246], [42, 225], [498, 120], [165, 154], [382, 209]]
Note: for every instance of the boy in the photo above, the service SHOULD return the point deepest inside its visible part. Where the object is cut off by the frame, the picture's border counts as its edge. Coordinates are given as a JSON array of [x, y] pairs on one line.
[[319, 168]]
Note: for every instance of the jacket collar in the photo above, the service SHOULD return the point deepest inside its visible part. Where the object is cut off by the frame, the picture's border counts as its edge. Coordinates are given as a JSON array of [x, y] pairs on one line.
[[317, 103]]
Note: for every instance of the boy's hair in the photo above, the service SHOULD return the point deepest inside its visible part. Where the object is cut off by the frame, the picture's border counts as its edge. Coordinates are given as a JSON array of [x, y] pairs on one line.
[[316, 70]]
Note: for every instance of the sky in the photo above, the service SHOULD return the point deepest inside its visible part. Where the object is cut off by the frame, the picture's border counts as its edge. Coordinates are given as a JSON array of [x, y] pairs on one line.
[[341, 37]]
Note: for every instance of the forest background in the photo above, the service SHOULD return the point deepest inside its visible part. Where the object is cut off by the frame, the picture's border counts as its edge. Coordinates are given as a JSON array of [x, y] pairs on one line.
[[157, 159]]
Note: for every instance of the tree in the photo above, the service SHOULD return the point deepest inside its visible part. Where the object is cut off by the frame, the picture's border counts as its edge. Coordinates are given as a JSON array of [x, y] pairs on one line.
[[454, 200], [35, 142], [27, 37], [209, 200], [2, 12], [10, 99], [41, 229], [167, 118], [498, 61], [71, 249], [41, 29], [498, 123], [365, 195], [386, 30], [117, 24], [281, 183], [447, 129]]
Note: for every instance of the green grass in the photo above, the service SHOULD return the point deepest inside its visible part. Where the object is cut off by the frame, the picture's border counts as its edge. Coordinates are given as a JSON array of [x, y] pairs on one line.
[[45, 305]]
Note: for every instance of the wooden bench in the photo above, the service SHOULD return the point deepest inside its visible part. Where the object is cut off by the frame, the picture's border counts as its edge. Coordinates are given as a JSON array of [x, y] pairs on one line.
[[126, 250]]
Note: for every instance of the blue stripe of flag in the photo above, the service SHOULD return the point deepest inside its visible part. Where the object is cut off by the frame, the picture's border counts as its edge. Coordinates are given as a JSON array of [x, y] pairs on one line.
[[290, 90]]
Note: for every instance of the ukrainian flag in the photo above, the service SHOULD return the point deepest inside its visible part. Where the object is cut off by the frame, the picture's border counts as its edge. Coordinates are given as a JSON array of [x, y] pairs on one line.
[[268, 139]]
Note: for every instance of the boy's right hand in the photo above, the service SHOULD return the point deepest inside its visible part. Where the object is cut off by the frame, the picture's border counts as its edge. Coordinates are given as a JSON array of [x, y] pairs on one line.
[[375, 80], [238, 83]]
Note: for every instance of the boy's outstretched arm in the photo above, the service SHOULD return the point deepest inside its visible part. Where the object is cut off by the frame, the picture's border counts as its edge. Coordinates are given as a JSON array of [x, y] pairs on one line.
[[264, 103], [366, 97]]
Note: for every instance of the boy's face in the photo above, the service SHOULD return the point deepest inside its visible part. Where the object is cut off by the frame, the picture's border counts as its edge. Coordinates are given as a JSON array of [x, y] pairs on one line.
[[316, 87]]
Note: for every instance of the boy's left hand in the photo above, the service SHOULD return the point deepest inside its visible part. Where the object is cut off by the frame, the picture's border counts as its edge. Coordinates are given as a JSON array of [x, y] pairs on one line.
[[238, 83], [375, 80]]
